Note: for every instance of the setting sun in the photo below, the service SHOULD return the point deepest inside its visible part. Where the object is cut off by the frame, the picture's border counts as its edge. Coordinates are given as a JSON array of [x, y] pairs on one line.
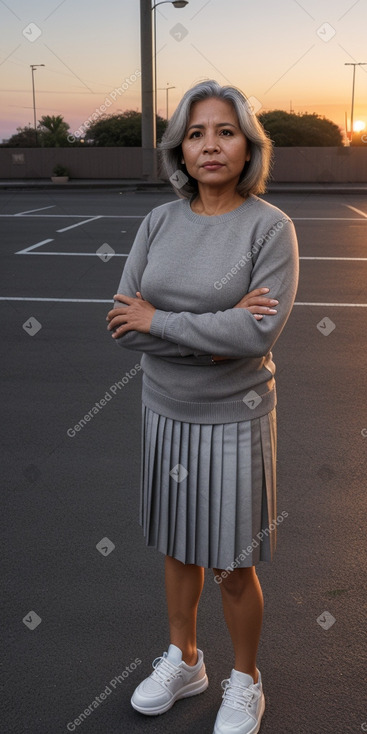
[[358, 126]]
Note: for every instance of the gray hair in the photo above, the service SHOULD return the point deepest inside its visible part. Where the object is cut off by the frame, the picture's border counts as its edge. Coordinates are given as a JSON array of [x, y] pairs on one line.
[[255, 172]]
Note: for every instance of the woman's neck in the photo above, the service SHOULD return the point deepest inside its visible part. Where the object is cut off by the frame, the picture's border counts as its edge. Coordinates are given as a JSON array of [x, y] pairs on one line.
[[212, 203]]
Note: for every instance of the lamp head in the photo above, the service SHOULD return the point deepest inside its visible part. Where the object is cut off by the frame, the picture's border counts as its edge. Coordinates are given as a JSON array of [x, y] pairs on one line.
[[180, 3]]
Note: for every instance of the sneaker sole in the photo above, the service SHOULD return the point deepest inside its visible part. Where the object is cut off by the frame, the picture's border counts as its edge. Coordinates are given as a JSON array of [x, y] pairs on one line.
[[256, 728], [192, 689]]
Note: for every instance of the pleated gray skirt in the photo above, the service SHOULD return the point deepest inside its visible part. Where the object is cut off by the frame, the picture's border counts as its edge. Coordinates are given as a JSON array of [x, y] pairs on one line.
[[208, 492]]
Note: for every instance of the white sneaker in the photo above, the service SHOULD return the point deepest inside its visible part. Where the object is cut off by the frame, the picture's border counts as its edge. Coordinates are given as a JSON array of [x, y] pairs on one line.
[[171, 679], [243, 705]]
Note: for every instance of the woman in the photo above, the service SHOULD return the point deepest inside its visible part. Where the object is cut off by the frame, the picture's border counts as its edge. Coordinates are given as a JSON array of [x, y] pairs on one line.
[[197, 296]]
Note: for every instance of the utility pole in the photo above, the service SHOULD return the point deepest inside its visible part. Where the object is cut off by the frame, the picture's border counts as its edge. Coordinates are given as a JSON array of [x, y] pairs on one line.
[[149, 84], [354, 64], [148, 132], [33, 67], [166, 89]]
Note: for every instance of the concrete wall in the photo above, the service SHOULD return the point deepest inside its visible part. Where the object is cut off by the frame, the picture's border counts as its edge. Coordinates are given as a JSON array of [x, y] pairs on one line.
[[290, 164], [335, 165], [106, 163]]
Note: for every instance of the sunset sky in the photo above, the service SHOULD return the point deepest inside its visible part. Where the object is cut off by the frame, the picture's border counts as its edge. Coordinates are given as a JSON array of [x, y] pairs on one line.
[[287, 54]]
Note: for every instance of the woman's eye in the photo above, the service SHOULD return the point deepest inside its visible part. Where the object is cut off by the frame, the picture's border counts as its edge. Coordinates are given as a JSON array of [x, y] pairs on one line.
[[194, 134], [226, 132]]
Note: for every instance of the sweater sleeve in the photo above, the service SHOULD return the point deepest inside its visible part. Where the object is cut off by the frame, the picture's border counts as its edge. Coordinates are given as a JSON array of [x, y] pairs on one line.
[[235, 332], [129, 284]]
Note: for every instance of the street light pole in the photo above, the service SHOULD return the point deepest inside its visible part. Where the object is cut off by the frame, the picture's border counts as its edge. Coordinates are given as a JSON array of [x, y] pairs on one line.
[[176, 4], [148, 138], [33, 67], [166, 89], [354, 64], [148, 98]]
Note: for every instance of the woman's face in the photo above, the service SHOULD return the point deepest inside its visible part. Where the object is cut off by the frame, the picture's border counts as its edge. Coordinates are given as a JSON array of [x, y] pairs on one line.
[[214, 148]]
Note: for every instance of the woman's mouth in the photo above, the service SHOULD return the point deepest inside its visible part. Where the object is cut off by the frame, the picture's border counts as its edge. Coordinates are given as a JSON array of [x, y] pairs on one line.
[[212, 165]]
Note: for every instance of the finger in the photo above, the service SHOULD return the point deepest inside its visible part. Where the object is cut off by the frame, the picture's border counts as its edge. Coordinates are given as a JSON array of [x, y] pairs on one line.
[[262, 309], [116, 312], [116, 322], [122, 298], [121, 330], [259, 301], [258, 291]]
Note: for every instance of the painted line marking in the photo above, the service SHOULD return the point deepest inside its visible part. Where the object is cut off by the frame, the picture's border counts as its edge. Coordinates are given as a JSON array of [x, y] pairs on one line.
[[70, 254], [58, 300], [141, 216], [32, 247], [29, 251], [331, 305], [324, 219], [359, 211], [110, 300], [328, 258], [79, 224], [34, 210], [78, 216]]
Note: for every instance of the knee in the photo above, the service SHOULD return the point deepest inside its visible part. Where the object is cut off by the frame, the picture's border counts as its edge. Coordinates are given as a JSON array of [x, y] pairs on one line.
[[235, 582]]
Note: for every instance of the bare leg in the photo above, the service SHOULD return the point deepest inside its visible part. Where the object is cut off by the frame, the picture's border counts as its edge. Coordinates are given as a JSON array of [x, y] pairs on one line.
[[243, 606], [184, 584]]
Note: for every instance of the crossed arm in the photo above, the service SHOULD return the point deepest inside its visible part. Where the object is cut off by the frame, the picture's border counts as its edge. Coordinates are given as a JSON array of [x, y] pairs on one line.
[[245, 330], [138, 314]]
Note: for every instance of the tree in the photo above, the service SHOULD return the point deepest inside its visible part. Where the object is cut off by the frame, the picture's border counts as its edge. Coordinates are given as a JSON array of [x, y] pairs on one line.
[[290, 129], [121, 129], [24, 138], [53, 131]]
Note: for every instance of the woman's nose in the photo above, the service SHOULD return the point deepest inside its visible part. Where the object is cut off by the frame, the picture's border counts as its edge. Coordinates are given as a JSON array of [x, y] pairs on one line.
[[211, 143]]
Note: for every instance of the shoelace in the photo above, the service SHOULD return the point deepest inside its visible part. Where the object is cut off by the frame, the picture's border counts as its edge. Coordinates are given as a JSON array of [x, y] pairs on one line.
[[164, 670], [238, 697]]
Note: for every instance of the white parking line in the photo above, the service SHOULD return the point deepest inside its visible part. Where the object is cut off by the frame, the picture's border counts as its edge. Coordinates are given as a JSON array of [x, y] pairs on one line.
[[110, 300], [74, 216], [359, 211], [29, 251], [331, 305], [326, 219], [32, 247], [325, 258], [362, 218], [20, 214], [70, 254], [79, 224], [58, 300]]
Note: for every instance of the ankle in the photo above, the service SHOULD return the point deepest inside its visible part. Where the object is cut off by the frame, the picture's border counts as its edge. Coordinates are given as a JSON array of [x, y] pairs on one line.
[[254, 674], [190, 656], [190, 659]]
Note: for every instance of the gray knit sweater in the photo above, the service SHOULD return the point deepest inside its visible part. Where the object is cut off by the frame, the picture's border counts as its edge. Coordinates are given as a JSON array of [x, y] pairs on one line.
[[194, 269]]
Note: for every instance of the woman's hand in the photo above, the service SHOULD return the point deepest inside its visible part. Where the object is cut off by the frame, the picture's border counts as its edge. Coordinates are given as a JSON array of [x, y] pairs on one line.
[[258, 304], [136, 316]]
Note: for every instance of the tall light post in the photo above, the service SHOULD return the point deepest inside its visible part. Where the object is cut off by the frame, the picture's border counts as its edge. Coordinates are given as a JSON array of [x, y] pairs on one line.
[[148, 127], [176, 4], [33, 67], [354, 64], [166, 89]]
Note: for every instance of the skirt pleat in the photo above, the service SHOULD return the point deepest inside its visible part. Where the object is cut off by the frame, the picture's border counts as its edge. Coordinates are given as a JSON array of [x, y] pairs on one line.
[[208, 492]]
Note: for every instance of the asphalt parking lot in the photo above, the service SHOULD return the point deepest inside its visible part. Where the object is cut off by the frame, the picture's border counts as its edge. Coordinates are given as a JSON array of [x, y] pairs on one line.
[[75, 616]]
